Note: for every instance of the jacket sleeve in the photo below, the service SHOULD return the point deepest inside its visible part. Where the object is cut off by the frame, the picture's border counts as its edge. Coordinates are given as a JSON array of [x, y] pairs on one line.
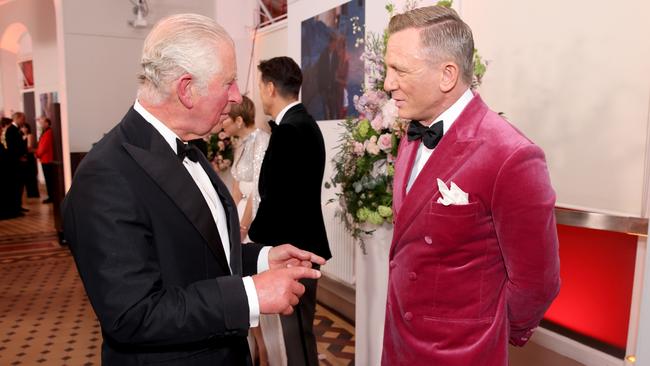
[[44, 144], [110, 235], [523, 209]]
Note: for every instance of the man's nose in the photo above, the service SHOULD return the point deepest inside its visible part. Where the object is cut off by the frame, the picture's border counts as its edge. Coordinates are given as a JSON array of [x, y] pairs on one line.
[[234, 95], [390, 83]]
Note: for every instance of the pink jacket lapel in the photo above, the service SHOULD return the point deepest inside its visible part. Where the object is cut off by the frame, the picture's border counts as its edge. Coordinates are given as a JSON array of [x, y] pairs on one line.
[[403, 166], [449, 156]]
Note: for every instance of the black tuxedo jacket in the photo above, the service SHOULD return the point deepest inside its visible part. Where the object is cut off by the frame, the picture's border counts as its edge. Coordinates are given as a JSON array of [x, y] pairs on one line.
[[16, 146], [290, 186], [150, 256]]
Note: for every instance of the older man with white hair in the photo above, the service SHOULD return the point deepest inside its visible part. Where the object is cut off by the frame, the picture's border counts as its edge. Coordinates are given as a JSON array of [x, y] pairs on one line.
[[153, 230]]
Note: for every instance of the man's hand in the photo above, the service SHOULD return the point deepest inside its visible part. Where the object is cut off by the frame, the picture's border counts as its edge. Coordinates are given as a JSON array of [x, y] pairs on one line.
[[278, 290], [286, 256]]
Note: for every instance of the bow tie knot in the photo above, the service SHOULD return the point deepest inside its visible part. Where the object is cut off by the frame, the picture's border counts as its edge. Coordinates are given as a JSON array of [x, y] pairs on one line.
[[430, 135], [184, 150]]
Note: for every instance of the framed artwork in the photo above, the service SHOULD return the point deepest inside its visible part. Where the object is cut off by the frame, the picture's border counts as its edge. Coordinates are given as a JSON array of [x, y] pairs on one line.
[[47, 104], [331, 48]]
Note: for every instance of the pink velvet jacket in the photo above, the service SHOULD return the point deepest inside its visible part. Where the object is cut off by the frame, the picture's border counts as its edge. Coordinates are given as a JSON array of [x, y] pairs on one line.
[[466, 279]]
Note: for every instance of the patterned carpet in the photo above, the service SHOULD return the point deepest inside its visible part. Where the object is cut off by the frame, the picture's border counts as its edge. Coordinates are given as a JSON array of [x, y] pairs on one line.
[[46, 319]]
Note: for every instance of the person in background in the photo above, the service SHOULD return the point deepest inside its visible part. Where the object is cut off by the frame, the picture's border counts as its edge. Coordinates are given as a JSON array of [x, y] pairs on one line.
[[16, 159], [6, 183], [267, 341], [45, 154], [291, 179], [30, 171]]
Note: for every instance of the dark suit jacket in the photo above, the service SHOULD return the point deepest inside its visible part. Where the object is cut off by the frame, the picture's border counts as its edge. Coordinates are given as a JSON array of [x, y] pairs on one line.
[[16, 146], [290, 186], [150, 257]]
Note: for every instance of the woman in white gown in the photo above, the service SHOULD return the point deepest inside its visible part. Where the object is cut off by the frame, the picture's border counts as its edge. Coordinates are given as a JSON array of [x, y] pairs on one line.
[[266, 341]]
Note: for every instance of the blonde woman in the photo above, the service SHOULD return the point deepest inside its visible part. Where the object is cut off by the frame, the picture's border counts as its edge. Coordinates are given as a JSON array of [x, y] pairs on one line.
[[266, 341]]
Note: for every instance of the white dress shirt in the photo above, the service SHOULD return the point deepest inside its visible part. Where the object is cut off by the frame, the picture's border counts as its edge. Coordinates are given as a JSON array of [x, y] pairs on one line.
[[447, 117], [284, 110], [211, 197]]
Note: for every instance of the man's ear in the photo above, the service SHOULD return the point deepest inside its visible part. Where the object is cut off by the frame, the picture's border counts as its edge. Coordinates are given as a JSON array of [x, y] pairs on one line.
[[270, 89], [449, 76], [184, 90]]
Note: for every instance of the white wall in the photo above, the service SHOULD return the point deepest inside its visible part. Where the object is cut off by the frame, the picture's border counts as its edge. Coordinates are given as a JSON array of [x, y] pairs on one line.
[[573, 76], [10, 88], [239, 19], [271, 41], [102, 54]]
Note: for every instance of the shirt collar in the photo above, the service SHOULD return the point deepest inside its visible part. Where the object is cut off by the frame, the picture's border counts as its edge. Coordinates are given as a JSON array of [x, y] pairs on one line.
[[166, 133], [452, 113], [278, 118]]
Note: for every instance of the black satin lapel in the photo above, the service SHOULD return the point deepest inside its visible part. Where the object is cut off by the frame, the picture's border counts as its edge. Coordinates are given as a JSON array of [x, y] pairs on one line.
[[168, 172], [231, 215]]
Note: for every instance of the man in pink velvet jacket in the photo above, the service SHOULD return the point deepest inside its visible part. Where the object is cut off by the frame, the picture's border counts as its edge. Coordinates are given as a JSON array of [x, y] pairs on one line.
[[474, 258]]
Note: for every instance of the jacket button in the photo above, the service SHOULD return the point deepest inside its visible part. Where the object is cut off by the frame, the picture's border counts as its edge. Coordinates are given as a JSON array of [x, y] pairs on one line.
[[428, 239], [393, 264], [412, 276], [408, 316]]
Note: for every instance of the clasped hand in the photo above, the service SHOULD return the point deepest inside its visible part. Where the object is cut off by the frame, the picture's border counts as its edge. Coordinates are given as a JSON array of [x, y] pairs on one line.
[[278, 289]]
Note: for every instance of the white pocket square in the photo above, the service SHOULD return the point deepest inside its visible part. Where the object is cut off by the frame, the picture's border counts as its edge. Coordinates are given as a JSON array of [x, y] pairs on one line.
[[453, 195]]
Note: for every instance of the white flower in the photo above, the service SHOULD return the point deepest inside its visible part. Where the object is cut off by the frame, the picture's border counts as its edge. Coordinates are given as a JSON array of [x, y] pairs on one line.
[[371, 146], [379, 168]]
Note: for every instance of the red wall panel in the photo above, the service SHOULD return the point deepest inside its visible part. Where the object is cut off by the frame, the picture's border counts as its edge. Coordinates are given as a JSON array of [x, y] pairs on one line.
[[597, 271]]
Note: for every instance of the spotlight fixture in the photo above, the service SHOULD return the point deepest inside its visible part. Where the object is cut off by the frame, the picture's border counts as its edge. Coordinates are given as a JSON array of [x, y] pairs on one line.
[[140, 10]]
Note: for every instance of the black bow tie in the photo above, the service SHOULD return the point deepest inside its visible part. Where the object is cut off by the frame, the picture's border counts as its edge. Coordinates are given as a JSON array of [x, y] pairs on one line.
[[430, 135], [273, 125], [187, 150]]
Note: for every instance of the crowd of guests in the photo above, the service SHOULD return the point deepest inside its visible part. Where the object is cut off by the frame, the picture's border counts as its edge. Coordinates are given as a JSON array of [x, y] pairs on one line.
[[19, 152]]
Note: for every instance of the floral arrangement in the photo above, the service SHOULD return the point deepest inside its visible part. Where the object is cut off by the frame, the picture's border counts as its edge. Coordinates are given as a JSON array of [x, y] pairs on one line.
[[220, 151], [364, 164]]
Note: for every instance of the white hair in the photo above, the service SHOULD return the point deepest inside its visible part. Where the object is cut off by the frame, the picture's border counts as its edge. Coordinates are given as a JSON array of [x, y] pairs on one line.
[[179, 44]]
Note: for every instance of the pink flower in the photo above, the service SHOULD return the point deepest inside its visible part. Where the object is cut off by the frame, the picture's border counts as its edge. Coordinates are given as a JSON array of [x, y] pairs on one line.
[[377, 123], [222, 135], [221, 145], [358, 148], [389, 113], [385, 142]]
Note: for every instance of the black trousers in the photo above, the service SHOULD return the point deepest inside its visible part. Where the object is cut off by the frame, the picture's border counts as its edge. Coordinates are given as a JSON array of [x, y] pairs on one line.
[[30, 176], [298, 328], [48, 173]]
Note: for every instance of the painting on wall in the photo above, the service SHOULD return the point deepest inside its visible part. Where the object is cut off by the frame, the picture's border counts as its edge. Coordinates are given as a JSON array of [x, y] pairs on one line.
[[47, 102], [331, 48]]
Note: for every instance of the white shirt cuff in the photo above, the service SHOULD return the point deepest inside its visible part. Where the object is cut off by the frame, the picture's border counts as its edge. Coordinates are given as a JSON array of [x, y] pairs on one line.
[[253, 301], [263, 260]]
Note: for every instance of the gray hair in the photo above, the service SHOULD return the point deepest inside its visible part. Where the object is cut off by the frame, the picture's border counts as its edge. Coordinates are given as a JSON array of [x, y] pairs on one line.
[[443, 35], [179, 44]]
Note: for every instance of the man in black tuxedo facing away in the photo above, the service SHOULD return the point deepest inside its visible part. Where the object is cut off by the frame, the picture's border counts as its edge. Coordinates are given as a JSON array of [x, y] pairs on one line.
[[153, 230], [290, 190], [16, 157]]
